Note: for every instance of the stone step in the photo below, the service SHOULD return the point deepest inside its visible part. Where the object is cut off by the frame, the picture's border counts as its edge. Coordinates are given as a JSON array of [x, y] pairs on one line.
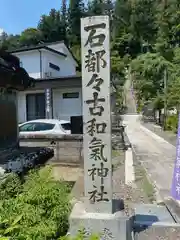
[[152, 222]]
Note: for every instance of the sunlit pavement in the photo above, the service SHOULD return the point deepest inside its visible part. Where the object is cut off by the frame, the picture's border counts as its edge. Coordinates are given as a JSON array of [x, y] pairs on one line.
[[156, 155]]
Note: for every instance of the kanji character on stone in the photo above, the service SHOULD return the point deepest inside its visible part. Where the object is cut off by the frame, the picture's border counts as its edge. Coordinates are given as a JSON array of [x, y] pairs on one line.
[[107, 234], [94, 61], [97, 80], [95, 40], [101, 172], [96, 110], [96, 196], [97, 149], [94, 127]]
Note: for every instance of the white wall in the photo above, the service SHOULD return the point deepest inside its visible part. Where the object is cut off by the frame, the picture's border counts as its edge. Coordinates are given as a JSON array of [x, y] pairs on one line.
[[62, 108], [66, 66], [61, 47], [31, 62]]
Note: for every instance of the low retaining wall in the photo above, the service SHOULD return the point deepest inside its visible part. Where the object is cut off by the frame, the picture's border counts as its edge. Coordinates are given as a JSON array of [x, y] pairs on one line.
[[67, 148]]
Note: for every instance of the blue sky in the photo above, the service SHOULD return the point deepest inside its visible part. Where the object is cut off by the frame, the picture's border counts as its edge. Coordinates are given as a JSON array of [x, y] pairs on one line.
[[17, 15]]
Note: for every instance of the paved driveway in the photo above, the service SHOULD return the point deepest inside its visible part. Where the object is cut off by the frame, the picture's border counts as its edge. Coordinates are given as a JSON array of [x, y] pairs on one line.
[[156, 154]]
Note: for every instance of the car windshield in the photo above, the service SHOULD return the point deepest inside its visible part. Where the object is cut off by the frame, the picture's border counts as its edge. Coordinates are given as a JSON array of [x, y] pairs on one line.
[[36, 126], [66, 126]]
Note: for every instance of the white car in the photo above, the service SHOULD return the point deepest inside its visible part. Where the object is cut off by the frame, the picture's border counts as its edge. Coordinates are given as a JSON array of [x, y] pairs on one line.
[[44, 126]]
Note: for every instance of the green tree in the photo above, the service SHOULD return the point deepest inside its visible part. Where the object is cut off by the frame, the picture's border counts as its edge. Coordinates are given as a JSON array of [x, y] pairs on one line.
[[148, 71], [75, 12], [52, 27], [121, 18], [168, 14], [143, 20], [11, 42], [64, 20], [30, 36]]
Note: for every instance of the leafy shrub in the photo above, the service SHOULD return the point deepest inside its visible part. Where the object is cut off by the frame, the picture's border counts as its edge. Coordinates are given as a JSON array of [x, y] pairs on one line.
[[172, 123], [139, 107], [38, 210], [80, 236], [10, 187]]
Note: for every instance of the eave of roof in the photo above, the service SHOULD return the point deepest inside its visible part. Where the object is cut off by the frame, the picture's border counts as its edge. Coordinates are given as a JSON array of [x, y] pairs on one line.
[[57, 42], [25, 49], [43, 45], [58, 78]]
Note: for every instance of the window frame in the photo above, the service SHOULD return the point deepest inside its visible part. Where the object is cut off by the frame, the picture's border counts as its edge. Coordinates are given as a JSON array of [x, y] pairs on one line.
[[54, 66], [69, 95], [61, 125], [40, 123], [25, 124]]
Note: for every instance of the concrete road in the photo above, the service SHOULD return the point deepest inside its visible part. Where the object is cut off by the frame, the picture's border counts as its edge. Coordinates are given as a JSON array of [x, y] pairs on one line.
[[156, 155]]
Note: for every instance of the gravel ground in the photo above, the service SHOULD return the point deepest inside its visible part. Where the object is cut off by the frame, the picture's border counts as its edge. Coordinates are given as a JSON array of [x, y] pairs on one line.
[[130, 194], [158, 233]]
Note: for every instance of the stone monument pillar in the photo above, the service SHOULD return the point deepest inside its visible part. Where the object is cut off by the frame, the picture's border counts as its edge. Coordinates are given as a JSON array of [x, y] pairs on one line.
[[96, 211]]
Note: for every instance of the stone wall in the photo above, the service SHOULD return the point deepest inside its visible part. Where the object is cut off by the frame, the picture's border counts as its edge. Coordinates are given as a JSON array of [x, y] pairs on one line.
[[68, 149]]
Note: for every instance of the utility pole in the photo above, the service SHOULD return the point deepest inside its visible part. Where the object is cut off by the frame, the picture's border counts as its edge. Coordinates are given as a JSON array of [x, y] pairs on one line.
[[165, 99]]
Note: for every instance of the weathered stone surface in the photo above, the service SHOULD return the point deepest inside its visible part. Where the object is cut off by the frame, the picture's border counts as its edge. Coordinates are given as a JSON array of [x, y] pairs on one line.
[[109, 226], [158, 232], [149, 214], [95, 49]]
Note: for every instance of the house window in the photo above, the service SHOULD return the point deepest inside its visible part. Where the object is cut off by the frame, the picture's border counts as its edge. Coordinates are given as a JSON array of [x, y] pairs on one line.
[[71, 95], [53, 66]]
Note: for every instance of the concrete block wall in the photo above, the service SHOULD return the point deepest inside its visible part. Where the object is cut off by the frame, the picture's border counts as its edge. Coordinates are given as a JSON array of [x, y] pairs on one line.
[[68, 149]]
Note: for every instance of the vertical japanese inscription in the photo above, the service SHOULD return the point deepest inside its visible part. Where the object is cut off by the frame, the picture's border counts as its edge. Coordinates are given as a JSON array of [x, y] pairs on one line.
[[176, 176], [96, 110], [48, 98]]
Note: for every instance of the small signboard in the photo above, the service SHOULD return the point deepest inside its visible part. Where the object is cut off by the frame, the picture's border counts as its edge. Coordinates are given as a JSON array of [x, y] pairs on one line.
[[48, 101]]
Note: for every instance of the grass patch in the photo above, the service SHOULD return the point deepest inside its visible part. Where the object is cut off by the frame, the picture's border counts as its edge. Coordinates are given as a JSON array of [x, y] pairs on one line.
[[143, 182], [115, 153], [118, 158]]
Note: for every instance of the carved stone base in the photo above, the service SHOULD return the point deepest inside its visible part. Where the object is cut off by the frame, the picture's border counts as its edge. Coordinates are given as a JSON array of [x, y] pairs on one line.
[[109, 226]]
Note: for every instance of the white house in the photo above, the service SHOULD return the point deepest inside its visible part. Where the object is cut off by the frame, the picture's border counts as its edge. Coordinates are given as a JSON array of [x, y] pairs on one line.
[[57, 90]]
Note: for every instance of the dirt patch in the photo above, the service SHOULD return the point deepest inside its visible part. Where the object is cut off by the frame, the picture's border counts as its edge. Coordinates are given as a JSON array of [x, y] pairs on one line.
[[69, 174], [142, 182], [130, 194], [118, 157]]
